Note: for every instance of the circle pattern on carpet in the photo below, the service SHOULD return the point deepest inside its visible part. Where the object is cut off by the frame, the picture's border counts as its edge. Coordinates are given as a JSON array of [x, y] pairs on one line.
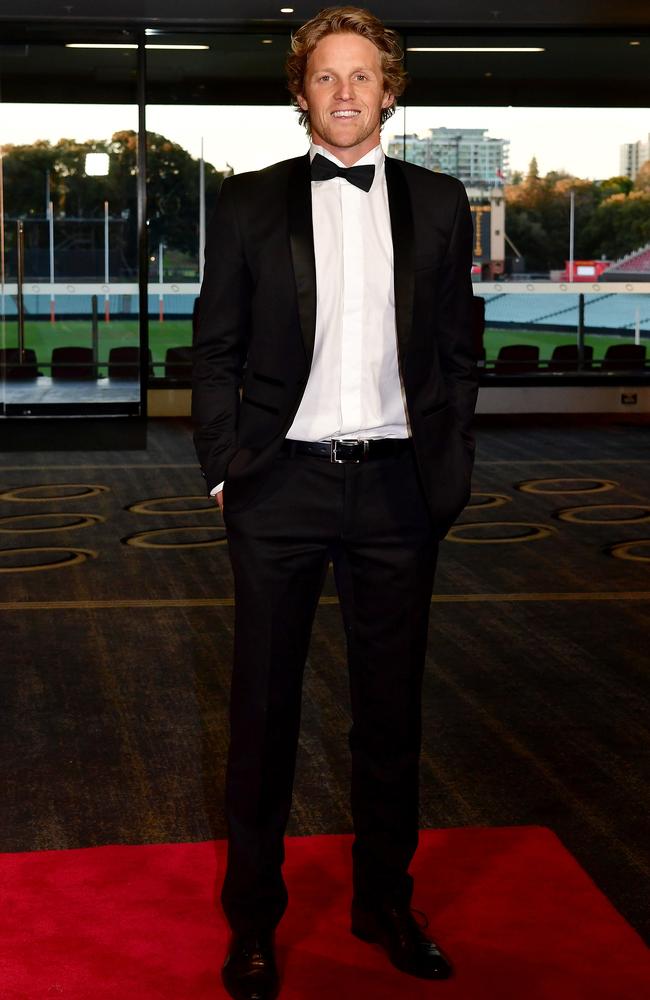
[[155, 505], [576, 515], [154, 539], [562, 485], [487, 501], [24, 494], [70, 557], [510, 532], [78, 521], [630, 550]]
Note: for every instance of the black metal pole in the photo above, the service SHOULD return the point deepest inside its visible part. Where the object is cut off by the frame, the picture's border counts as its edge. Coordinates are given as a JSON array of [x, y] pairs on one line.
[[95, 332], [581, 331], [20, 278], [143, 242]]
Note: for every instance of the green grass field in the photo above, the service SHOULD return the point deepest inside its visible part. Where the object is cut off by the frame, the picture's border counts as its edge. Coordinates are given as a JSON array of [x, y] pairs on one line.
[[42, 336]]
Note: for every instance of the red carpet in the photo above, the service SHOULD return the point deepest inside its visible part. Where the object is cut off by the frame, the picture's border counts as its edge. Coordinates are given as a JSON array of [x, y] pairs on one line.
[[519, 918]]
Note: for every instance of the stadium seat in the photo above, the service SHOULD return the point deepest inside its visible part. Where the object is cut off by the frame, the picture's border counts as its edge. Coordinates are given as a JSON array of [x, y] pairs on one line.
[[178, 362], [624, 358], [635, 264], [565, 358], [124, 362], [11, 367], [603, 311], [73, 363], [515, 359]]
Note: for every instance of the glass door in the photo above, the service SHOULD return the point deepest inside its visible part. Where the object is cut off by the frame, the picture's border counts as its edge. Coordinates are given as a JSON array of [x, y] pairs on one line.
[[70, 341], [203, 123]]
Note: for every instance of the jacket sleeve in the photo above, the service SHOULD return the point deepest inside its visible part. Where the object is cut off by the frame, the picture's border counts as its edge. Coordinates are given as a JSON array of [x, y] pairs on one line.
[[221, 338], [454, 319]]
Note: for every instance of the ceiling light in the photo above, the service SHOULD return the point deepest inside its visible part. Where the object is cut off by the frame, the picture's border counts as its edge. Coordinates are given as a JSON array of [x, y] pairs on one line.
[[154, 46], [286, 10], [635, 43], [267, 41], [476, 48], [127, 45], [99, 45]]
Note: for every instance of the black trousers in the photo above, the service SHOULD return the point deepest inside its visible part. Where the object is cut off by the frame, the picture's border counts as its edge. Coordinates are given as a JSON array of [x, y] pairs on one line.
[[372, 521]]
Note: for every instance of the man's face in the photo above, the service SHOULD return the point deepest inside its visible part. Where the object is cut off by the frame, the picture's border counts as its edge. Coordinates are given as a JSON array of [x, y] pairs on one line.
[[344, 95]]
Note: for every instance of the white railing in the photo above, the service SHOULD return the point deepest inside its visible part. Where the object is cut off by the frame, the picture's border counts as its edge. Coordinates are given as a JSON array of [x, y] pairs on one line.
[[562, 287], [193, 287]]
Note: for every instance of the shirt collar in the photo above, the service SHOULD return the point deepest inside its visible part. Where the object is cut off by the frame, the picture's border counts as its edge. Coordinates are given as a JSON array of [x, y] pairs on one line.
[[374, 156]]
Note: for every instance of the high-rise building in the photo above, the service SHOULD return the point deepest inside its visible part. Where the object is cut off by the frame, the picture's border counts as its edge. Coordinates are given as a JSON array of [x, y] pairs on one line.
[[633, 156], [476, 159]]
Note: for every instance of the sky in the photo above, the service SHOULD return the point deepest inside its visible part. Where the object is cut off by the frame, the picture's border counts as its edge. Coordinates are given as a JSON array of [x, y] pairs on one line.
[[582, 141]]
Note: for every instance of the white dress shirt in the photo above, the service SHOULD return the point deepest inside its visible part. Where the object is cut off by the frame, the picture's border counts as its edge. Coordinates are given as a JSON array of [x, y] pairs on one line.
[[354, 388]]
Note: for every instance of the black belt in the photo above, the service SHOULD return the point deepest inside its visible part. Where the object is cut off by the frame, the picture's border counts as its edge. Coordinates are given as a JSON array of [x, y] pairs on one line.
[[347, 449]]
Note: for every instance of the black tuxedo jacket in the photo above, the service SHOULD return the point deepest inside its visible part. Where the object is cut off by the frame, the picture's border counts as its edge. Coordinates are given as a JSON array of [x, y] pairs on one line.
[[257, 316]]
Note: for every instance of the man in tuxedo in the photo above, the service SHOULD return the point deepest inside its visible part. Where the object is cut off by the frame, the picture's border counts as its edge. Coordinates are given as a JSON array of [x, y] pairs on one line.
[[334, 388]]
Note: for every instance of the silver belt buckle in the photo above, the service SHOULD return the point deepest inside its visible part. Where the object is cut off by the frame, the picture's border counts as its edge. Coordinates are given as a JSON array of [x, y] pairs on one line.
[[334, 449]]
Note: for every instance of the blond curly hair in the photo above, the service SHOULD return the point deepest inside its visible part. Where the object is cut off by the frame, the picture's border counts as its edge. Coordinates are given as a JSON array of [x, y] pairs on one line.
[[340, 19]]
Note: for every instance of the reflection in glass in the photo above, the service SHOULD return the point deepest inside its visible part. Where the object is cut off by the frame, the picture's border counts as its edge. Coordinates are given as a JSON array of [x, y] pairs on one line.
[[585, 239], [70, 265], [69, 232]]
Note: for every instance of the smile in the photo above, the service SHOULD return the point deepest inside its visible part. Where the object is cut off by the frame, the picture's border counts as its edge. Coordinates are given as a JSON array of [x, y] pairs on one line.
[[345, 114]]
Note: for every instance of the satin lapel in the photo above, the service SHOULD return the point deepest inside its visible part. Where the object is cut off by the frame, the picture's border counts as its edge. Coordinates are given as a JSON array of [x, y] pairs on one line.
[[401, 222], [301, 237]]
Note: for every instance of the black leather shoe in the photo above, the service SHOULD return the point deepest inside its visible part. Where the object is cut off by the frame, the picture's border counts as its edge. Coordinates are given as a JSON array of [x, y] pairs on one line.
[[250, 972], [399, 934]]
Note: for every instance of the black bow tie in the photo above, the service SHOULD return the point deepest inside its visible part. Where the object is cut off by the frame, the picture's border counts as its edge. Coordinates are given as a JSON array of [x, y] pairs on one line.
[[323, 169]]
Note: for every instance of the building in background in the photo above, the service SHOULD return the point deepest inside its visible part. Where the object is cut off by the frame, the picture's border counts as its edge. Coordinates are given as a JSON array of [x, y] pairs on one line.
[[489, 216], [481, 163], [478, 160], [633, 156]]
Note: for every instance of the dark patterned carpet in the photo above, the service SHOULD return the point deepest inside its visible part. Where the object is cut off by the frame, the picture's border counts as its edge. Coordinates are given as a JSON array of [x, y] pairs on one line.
[[116, 621]]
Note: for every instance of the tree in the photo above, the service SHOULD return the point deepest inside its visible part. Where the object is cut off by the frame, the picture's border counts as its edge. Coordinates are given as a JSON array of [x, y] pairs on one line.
[[537, 217], [616, 185], [172, 195], [642, 179], [611, 218], [533, 171], [620, 225], [553, 177]]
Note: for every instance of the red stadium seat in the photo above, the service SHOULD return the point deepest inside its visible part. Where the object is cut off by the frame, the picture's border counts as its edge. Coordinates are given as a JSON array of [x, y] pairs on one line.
[[124, 362], [565, 358], [11, 366], [516, 359], [73, 363], [178, 362], [624, 358]]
